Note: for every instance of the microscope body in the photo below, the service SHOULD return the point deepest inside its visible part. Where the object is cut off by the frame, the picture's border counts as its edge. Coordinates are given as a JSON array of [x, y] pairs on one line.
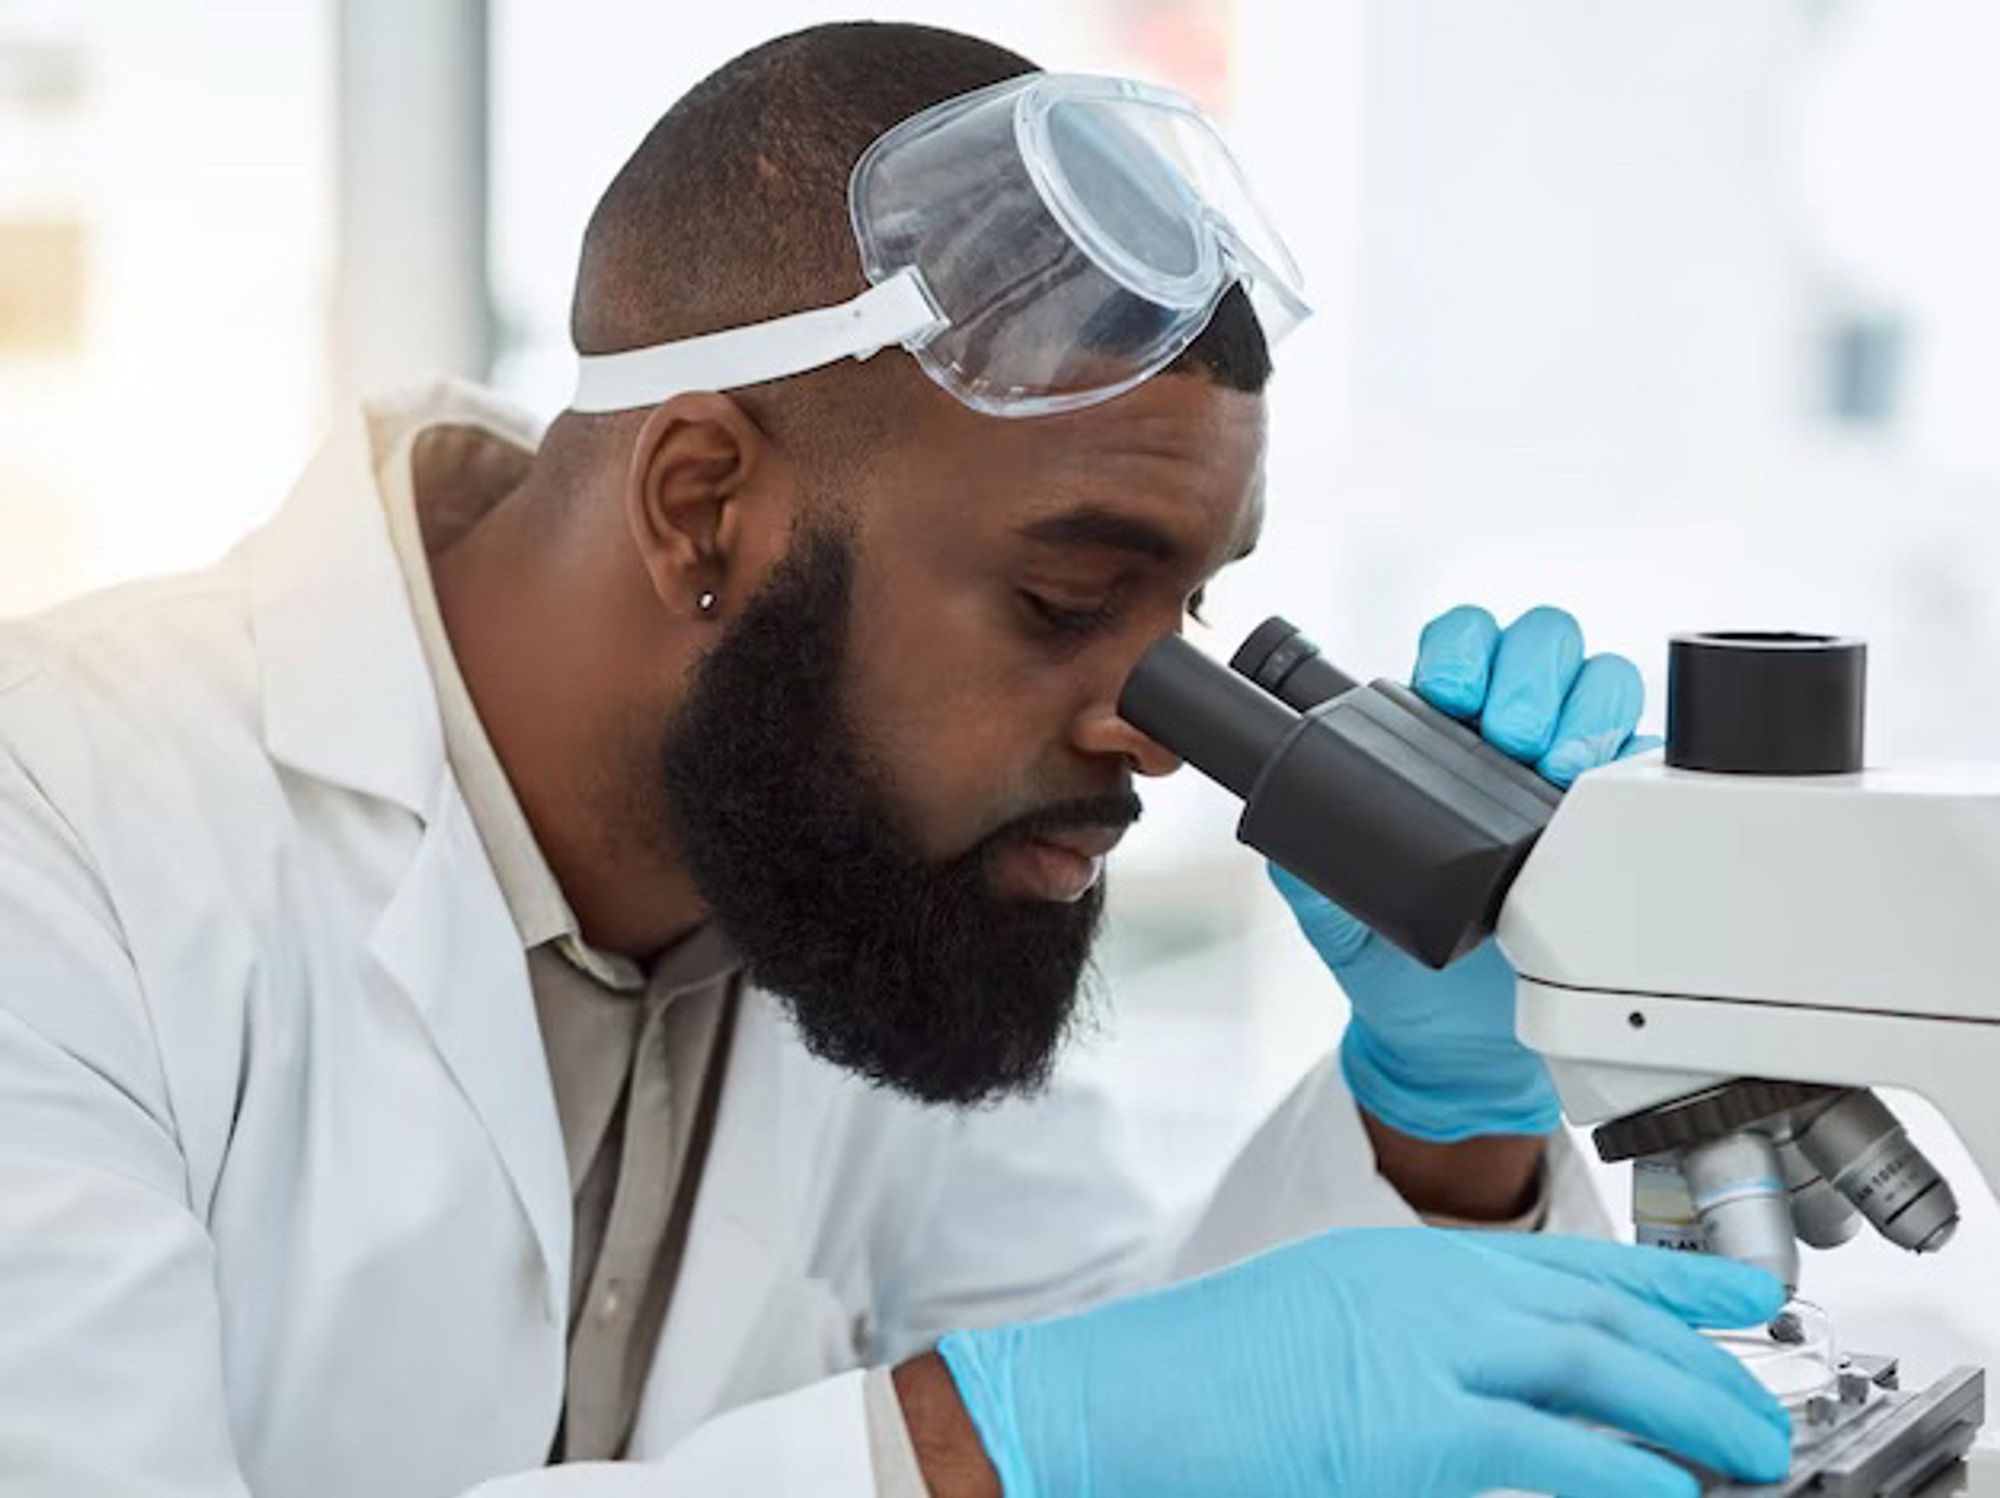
[[1721, 950], [1684, 938], [1677, 930]]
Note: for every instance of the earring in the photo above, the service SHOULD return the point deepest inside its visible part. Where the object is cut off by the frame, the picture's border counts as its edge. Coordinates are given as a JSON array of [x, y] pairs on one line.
[[705, 603]]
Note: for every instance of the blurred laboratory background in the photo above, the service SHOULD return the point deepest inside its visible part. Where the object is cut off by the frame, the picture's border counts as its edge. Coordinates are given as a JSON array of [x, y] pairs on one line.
[[1679, 313]]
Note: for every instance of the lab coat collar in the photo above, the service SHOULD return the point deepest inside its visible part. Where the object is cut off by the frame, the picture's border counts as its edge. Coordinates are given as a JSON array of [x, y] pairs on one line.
[[347, 696]]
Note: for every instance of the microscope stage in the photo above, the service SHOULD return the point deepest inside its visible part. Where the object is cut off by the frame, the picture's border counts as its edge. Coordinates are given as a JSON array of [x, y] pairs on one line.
[[1893, 1445]]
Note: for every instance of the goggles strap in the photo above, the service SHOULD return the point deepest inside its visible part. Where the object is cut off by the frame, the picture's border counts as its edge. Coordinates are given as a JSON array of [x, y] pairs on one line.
[[899, 310]]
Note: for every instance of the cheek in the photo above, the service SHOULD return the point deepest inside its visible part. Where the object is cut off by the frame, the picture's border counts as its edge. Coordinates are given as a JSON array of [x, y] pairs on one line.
[[952, 709]]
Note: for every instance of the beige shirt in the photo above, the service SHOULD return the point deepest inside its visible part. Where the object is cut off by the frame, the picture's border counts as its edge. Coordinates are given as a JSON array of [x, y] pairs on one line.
[[634, 1055]]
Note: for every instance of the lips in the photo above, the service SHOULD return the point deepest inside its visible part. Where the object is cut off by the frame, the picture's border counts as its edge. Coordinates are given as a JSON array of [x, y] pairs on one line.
[[1085, 842], [1060, 862]]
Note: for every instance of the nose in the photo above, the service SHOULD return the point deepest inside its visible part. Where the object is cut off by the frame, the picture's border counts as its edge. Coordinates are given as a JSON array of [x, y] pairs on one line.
[[1102, 732]]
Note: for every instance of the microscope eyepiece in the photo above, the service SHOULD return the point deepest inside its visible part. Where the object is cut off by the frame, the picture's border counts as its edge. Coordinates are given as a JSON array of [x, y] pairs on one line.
[[1405, 817], [1223, 725], [1286, 664], [1766, 703]]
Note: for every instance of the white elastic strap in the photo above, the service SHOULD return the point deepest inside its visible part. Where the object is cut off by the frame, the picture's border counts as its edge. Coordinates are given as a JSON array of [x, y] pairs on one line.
[[899, 310]]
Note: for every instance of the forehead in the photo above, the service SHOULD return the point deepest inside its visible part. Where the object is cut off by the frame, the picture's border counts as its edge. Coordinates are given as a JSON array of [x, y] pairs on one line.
[[1178, 458]]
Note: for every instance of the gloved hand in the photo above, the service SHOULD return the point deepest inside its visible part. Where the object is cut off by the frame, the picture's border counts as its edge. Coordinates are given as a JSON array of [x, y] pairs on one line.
[[1404, 1361], [1431, 1054]]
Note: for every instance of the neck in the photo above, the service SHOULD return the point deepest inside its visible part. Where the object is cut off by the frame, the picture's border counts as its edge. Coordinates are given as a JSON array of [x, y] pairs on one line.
[[542, 641]]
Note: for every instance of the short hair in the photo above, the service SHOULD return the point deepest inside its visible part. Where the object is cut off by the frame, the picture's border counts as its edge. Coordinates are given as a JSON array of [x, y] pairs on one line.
[[733, 209]]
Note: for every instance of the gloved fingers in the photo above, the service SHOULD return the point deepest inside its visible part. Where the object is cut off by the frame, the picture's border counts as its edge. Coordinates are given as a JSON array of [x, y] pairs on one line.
[[1669, 1338], [1641, 743], [1524, 1448], [1455, 660], [1534, 666], [1337, 936], [1700, 1289], [1597, 718], [1614, 1310], [1583, 1371]]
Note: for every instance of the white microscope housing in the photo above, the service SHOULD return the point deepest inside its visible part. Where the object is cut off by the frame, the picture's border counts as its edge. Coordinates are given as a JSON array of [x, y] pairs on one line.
[[1675, 929]]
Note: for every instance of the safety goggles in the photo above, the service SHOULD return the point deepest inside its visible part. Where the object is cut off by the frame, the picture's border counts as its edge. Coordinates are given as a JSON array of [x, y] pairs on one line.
[[1038, 245]]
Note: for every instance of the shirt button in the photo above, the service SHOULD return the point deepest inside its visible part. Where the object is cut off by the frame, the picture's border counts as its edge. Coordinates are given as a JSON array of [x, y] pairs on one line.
[[608, 1306]]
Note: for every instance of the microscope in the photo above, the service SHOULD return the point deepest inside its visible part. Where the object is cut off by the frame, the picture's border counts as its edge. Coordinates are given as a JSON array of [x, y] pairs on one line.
[[1721, 950]]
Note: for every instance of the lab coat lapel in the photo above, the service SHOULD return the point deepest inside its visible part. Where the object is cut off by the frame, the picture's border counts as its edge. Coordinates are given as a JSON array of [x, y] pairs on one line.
[[449, 942], [747, 1241], [348, 699]]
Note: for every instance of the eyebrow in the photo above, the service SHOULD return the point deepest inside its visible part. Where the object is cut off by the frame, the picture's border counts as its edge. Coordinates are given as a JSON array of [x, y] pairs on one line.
[[1092, 525]]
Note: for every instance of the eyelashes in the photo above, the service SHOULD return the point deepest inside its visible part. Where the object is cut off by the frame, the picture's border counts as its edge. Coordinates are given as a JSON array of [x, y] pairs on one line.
[[1055, 620], [1067, 623]]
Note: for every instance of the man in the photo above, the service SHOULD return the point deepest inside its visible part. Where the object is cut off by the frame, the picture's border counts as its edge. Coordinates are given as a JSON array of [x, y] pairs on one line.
[[487, 968]]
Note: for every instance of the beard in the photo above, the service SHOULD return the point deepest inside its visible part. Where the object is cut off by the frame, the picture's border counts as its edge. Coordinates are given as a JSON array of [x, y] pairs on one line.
[[908, 971]]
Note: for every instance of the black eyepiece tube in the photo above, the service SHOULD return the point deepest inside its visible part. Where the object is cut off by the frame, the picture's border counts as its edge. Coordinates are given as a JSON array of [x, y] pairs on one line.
[[1289, 666], [1406, 818], [1215, 720]]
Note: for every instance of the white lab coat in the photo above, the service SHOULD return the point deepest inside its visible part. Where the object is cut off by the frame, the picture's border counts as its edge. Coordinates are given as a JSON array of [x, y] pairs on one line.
[[283, 1207]]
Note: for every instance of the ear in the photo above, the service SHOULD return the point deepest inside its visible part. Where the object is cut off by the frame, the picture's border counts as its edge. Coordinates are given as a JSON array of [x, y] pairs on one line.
[[697, 467]]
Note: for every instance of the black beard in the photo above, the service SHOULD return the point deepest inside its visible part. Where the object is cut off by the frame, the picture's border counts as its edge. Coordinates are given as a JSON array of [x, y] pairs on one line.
[[910, 972]]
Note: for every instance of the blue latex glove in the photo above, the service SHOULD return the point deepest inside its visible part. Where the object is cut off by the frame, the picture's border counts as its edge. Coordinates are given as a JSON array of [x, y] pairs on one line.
[[1404, 1361], [1431, 1054]]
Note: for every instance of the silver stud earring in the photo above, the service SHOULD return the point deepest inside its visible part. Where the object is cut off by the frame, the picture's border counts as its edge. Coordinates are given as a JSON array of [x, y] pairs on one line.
[[705, 603]]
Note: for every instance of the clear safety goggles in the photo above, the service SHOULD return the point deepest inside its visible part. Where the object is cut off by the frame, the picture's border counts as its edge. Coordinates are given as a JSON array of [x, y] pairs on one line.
[[1038, 245]]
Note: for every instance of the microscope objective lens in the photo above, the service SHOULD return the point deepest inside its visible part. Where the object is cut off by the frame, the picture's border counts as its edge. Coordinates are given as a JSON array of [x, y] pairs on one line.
[[1861, 1149], [1662, 1214], [1738, 1190], [1821, 1216]]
